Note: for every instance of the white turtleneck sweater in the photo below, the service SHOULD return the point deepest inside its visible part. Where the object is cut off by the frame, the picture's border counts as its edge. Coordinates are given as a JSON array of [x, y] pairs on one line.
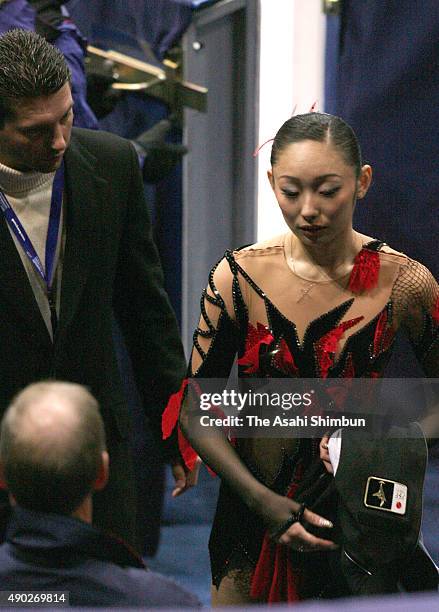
[[29, 194]]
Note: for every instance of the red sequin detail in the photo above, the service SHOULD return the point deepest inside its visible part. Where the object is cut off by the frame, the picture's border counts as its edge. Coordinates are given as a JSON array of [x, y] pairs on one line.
[[255, 338], [326, 347], [283, 359], [364, 275], [384, 334], [172, 410]]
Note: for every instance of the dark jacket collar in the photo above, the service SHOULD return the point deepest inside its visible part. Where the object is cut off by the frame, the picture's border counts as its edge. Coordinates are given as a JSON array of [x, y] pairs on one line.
[[53, 537], [84, 193]]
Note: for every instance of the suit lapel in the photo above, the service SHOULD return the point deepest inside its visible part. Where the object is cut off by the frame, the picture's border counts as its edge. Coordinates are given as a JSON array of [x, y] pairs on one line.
[[84, 192], [15, 286]]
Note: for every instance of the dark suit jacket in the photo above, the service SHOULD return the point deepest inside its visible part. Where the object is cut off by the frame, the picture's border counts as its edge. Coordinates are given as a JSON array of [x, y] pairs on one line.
[[111, 268], [59, 553]]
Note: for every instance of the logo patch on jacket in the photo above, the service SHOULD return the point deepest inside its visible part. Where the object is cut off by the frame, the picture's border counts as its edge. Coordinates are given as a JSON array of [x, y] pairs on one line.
[[387, 495]]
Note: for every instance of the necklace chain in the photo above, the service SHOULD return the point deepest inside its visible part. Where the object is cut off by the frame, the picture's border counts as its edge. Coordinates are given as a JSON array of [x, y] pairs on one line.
[[306, 290], [318, 281], [312, 283]]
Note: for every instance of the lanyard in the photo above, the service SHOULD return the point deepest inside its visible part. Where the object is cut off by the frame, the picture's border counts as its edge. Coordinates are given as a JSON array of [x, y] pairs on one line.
[[47, 272]]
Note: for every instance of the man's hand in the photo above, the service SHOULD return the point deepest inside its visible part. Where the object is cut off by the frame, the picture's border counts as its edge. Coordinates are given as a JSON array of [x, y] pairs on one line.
[[184, 479]]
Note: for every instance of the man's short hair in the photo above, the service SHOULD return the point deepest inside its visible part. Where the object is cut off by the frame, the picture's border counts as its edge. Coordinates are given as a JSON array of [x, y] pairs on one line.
[[30, 67], [51, 444]]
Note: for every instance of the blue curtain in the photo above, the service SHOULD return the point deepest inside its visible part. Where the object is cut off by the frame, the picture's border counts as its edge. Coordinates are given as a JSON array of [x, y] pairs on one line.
[[125, 24], [383, 78]]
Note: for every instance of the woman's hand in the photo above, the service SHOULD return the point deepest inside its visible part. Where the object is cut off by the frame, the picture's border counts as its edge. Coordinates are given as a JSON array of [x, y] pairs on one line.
[[184, 479], [298, 538], [276, 510], [324, 454]]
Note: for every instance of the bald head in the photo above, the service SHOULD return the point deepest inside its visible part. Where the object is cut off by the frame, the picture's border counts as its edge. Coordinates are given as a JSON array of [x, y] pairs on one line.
[[51, 444]]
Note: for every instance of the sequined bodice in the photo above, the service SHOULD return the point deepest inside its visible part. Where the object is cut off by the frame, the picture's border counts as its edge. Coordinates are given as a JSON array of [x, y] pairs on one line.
[[256, 307]]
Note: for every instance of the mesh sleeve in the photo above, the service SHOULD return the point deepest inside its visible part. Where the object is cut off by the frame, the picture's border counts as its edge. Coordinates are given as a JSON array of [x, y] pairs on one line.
[[416, 307]]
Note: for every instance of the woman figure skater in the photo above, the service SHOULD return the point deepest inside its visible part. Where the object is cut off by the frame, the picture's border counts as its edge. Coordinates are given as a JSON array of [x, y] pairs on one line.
[[321, 300]]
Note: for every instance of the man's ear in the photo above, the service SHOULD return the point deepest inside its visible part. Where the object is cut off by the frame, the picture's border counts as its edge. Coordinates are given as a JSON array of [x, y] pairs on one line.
[[364, 181], [104, 472]]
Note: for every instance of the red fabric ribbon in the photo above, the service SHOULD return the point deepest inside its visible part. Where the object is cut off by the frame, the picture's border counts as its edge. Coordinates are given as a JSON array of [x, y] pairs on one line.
[[169, 421], [187, 452], [365, 273], [172, 410], [275, 578]]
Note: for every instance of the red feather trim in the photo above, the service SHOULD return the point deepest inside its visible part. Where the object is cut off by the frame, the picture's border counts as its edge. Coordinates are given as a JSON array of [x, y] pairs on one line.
[[172, 410], [365, 273]]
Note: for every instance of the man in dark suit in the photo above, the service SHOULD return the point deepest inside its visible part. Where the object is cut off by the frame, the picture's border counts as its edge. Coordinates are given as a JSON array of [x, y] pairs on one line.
[[77, 252], [52, 458]]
